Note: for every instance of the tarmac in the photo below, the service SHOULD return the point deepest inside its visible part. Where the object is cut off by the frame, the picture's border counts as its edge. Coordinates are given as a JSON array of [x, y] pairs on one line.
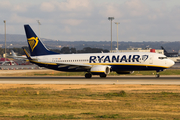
[[135, 79], [148, 80]]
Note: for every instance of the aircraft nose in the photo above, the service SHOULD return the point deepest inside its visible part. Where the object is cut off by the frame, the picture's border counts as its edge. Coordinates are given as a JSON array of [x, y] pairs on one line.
[[170, 63]]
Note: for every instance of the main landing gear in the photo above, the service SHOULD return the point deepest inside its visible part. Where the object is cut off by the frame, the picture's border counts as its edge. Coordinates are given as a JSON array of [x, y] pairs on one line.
[[88, 75]]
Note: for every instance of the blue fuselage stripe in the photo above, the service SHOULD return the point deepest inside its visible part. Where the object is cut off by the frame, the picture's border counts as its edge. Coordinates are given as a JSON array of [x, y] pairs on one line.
[[113, 68]]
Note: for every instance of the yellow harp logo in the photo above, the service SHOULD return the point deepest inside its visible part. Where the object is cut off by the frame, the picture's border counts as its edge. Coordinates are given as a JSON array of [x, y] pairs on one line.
[[33, 42]]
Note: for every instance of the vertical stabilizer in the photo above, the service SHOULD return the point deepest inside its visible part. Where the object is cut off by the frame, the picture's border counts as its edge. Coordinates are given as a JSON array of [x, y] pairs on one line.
[[36, 46], [13, 53], [165, 52]]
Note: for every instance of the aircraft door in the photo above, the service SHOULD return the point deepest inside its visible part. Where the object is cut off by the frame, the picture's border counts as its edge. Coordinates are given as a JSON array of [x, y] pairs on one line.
[[166, 61], [150, 59]]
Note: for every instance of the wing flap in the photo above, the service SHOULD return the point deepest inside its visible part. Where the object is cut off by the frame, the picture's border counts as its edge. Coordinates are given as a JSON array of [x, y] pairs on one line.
[[73, 65], [69, 65]]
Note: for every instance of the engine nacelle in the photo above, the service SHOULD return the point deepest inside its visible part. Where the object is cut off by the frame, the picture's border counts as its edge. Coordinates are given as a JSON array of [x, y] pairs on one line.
[[124, 72], [100, 69]]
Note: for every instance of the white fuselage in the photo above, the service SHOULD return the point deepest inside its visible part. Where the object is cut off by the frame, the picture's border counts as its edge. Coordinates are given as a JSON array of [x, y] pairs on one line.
[[117, 61]]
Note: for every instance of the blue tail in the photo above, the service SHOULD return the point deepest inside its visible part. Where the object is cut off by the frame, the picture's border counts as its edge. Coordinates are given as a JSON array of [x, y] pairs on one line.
[[36, 47]]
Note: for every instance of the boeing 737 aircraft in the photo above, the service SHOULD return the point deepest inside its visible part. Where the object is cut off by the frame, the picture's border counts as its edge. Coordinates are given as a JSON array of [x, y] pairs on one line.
[[95, 63]]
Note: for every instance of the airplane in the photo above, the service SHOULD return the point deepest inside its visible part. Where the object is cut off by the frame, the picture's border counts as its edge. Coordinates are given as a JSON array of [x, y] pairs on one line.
[[93, 63], [14, 56], [174, 54]]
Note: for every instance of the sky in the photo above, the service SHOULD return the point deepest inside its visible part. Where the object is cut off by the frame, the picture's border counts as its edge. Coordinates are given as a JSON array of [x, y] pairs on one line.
[[87, 20]]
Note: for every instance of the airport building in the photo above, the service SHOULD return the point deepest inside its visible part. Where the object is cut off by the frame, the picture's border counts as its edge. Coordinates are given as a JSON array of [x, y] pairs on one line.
[[140, 50], [160, 51]]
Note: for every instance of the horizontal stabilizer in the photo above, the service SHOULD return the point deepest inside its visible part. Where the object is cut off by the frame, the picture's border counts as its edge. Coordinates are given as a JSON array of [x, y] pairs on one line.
[[27, 54]]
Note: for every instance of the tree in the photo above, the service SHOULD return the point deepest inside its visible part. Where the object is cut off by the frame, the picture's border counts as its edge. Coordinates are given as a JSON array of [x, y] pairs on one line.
[[92, 50], [56, 50], [65, 50], [73, 50]]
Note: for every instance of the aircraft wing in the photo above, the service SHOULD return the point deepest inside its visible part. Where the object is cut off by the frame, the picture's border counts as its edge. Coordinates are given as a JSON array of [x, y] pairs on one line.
[[20, 57], [69, 65], [72, 65], [14, 56]]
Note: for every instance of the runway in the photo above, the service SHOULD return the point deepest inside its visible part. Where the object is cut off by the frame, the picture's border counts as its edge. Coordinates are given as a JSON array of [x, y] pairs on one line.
[[172, 80]]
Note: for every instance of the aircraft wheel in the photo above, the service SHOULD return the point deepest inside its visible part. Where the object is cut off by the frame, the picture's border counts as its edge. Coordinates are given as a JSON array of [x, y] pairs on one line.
[[103, 76], [157, 75], [88, 75]]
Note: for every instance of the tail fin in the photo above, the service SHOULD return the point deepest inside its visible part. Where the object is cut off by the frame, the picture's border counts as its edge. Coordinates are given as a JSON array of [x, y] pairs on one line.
[[13, 53], [164, 50], [36, 47]]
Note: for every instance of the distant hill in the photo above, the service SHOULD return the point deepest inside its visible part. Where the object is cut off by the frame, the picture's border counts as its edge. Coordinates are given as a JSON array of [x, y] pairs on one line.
[[16, 38], [12, 37], [19, 41]]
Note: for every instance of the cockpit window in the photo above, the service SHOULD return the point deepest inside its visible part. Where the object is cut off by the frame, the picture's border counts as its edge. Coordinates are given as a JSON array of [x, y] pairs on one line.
[[162, 58]]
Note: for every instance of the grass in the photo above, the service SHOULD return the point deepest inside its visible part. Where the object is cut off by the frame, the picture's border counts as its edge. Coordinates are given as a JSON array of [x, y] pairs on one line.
[[27, 103], [166, 72], [43, 117], [60, 73], [117, 94], [108, 116]]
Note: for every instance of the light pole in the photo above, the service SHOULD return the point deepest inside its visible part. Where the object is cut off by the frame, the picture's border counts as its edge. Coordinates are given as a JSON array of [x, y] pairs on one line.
[[5, 37], [111, 18], [117, 32], [39, 27]]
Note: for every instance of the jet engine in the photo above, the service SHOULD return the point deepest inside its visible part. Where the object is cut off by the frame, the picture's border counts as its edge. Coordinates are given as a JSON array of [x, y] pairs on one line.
[[124, 72], [100, 69]]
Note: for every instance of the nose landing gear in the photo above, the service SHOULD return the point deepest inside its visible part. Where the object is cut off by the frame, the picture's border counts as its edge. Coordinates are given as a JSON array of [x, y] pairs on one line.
[[157, 75]]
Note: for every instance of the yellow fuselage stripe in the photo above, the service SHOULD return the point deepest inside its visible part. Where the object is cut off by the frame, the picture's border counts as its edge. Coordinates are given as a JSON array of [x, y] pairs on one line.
[[98, 71]]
